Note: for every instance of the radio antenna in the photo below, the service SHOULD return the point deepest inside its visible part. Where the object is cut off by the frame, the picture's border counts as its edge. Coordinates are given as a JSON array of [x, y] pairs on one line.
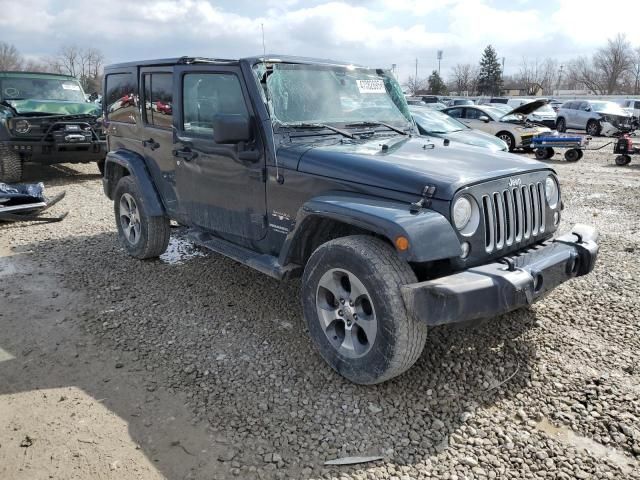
[[264, 48]]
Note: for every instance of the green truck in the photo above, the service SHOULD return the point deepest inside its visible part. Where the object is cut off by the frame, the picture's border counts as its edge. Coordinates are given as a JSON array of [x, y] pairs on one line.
[[45, 118]]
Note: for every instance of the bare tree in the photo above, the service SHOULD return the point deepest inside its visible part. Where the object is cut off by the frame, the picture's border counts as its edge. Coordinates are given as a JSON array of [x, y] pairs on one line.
[[415, 84], [634, 70], [534, 74], [582, 72], [10, 58], [84, 64], [612, 61], [462, 77]]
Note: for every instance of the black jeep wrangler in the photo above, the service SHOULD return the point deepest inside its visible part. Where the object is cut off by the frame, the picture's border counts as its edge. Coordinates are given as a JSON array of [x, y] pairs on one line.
[[45, 118], [313, 168]]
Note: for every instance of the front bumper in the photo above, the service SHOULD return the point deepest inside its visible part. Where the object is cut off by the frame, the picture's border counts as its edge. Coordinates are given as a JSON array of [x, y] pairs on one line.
[[513, 282], [40, 151]]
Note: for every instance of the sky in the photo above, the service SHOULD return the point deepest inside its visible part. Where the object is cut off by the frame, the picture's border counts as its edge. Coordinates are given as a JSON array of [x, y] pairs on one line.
[[371, 32]]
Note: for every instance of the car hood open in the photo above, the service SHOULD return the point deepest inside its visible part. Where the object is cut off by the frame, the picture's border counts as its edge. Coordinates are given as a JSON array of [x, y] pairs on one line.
[[527, 108], [408, 164], [53, 107]]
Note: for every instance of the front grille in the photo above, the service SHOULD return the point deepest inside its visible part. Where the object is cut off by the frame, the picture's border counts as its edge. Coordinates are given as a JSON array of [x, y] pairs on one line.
[[513, 216]]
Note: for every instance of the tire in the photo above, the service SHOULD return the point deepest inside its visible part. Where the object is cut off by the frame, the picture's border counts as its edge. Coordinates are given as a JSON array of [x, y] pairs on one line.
[[10, 166], [101, 165], [572, 155], [580, 154], [593, 128], [394, 339], [151, 236], [508, 139], [561, 125], [622, 160], [545, 153]]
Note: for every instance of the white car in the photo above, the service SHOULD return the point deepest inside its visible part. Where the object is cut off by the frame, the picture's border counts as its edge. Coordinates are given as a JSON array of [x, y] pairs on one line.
[[512, 127], [631, 105]]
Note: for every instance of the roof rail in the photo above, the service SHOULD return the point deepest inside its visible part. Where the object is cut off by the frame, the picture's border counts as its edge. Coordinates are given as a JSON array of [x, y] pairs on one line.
[[215, 61]]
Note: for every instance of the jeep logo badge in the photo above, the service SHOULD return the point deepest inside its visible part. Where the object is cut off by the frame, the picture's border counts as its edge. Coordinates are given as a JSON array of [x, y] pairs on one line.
[[515, 182]]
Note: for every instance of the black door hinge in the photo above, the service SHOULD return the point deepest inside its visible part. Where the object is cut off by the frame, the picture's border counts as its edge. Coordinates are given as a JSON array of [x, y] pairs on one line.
[[425, 202], [260, 175]]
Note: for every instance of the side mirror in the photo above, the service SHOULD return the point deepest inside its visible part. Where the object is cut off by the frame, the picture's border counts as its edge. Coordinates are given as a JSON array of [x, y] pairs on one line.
[[484, 118], [231, 128], [587, 109]]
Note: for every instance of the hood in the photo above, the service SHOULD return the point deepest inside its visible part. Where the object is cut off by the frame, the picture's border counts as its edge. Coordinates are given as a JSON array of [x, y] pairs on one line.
[[409, 164], [477, 139], [54, 107], [527, 108], [614, 112]]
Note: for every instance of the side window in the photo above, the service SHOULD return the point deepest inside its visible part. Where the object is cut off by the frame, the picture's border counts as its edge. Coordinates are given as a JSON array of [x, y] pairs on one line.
[[637, 105], [121, 97], [206, 95], [583, 105], [455, 112], [568, 105], [158, 99], [473, 113]]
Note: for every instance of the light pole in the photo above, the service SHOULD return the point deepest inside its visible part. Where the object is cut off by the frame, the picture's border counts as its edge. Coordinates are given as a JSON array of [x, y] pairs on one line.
[[439, 60]]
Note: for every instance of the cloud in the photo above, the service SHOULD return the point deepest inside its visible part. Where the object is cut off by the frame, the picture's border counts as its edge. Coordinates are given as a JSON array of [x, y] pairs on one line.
[[372, 32]]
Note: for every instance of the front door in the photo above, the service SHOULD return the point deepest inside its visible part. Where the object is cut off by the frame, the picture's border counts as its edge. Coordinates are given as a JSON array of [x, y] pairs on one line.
[[221, 186], [157, 91]]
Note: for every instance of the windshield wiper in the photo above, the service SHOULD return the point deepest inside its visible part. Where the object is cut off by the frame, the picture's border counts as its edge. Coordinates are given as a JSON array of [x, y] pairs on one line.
[[318, 125], [373, 124]]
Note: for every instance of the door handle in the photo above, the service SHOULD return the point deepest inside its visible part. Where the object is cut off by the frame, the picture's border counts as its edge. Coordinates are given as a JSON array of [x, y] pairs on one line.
[[151, 143], [185, 153]]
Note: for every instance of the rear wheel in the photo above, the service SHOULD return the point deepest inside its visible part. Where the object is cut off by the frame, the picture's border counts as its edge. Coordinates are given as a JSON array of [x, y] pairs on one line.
[[10, 165], [143, 236], [545, 153], [507, 138], [355, 312], [561, 126], [572, 155], [593, 128]]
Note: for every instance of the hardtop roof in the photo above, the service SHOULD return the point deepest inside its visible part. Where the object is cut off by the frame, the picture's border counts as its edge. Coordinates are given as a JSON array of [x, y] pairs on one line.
[[18, 73], [269, 58]]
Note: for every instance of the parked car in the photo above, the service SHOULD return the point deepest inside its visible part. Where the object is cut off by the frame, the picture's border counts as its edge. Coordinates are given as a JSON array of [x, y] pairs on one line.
[[460, 101], [435, 106], [45, 118], [415, 101], [437, 124], [511, 127], [390, 233], [430, 99], [498, 100], [545, 115], [633, 106], [596, 117], [555, 104]]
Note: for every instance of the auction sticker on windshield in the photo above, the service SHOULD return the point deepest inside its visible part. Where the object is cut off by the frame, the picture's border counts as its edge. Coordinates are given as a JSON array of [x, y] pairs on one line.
[[70, 86], [371, 86]]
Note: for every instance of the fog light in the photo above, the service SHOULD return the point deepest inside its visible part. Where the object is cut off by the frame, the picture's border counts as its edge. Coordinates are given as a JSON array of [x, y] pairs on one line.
[[556, 218], [466, 248]]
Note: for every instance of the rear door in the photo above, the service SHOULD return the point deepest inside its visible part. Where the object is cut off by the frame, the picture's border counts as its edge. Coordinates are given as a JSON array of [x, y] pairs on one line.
[[221, 186], [581, 116], [156, 102]]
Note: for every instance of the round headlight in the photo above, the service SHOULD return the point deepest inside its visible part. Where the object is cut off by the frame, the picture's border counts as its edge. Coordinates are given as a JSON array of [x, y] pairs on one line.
[[21, 126], [551, 192], [461, 212]]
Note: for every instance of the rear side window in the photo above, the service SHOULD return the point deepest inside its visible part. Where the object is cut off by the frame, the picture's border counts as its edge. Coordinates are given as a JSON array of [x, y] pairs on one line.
[[567, 105], [455, 112], [121, 97], [637, 105], [474, 113], [206, 95], [158, 99]]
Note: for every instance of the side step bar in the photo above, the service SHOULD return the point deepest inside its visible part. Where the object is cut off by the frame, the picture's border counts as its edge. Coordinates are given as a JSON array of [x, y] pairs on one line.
[[267, 264]]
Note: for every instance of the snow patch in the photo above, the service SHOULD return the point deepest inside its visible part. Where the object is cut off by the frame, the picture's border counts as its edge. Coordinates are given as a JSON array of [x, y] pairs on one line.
[[180, 251]]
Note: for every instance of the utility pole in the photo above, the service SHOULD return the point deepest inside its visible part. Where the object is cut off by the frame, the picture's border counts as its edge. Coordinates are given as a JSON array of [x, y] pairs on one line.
[[416, 77], [559, 79], [439, 60]]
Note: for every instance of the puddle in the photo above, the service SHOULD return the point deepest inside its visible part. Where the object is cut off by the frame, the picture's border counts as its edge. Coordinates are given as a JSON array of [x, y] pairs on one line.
[[568, 437], [180, 251]]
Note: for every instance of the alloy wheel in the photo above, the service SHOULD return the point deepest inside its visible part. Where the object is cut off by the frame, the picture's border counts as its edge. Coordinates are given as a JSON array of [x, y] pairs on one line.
[[130, 218]]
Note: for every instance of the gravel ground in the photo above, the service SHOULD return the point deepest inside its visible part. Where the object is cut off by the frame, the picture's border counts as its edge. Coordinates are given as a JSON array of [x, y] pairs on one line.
[[549, 392]]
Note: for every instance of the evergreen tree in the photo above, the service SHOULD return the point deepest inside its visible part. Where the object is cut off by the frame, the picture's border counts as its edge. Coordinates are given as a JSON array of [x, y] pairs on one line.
[[490, 76], [436, 84]]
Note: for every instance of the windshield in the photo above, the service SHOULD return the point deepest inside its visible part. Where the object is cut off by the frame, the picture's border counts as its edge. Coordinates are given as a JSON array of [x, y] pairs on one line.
[[20, 88], [432, 121], [319, 94], [545, 109], [607, 107]]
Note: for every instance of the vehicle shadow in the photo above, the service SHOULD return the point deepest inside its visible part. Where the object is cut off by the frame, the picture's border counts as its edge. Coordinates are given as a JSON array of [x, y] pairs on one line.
[[233, 341], [60, 174]]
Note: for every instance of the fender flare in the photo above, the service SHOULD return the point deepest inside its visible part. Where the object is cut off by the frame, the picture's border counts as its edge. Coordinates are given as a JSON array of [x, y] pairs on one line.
[[431, 236], [135, 166]]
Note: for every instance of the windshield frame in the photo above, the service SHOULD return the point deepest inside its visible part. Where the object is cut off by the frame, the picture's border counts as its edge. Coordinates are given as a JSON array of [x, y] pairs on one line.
[[445, 118], [393, 99]]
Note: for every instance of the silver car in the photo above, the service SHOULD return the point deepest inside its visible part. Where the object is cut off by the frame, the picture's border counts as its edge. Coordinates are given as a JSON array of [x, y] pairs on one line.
[[596, 117]]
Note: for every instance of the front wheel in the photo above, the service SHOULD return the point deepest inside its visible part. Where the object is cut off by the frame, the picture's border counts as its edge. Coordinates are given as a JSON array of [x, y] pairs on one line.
[[10, 165], [622, 160], [572, 155], [545, 153], [507, 138], [593, 128], [561, 125], [355, 312], [142, 235]]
